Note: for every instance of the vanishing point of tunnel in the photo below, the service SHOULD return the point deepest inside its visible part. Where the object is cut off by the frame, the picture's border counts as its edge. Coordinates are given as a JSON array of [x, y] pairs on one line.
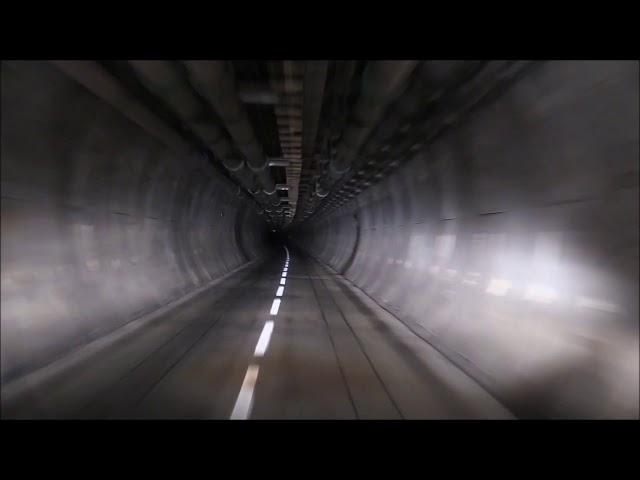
[[297, 239]]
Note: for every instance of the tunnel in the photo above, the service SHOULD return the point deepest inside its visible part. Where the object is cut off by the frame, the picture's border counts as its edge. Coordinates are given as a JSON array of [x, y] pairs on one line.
[[340, 239]]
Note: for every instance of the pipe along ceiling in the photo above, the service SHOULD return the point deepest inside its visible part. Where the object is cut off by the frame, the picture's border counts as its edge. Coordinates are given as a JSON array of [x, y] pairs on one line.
[[490, 207]]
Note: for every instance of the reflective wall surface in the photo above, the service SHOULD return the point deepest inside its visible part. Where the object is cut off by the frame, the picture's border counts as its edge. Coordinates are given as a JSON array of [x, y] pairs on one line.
[[100, 222], [511, 243], [508, 245]]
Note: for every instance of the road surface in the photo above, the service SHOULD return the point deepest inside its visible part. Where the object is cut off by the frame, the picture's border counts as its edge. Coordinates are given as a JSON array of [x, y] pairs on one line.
[[327, 351]]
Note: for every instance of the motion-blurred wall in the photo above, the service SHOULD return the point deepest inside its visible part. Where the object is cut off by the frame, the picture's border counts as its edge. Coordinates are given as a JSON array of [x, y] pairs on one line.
[[100, 222], [511, 243]]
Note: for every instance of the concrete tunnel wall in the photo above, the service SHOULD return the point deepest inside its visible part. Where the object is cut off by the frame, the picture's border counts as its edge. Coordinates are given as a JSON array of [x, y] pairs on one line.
[[100, 222], [511, 243]]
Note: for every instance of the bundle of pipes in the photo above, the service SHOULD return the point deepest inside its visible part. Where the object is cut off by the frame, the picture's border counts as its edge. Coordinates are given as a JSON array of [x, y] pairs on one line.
[[443, 95], [214, 81], [165, 80], [382, 83]]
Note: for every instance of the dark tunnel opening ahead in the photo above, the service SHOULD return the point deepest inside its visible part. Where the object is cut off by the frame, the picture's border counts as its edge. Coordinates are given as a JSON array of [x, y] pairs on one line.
[[443, 258]]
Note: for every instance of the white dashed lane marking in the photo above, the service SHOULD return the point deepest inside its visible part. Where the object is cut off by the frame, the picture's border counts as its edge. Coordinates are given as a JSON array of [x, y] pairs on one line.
[[244, 402]]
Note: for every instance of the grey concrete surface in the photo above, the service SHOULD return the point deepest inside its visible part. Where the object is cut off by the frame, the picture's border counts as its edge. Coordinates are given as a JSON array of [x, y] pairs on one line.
[[100, 222], [344, 359], [512, 242], [493, 275]]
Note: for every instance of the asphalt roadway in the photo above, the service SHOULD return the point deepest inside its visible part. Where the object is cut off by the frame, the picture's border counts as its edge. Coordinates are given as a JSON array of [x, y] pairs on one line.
[[327, 351]]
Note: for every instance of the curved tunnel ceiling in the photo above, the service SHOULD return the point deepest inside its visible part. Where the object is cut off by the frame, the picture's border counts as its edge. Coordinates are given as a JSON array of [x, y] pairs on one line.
[[489, 207]]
